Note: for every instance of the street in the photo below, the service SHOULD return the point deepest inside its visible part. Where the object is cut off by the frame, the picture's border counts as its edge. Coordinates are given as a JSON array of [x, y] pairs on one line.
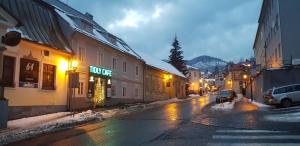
[[190, 122]]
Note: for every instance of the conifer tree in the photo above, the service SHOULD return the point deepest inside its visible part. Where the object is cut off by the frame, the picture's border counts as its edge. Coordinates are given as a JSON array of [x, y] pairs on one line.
[[176, 57]]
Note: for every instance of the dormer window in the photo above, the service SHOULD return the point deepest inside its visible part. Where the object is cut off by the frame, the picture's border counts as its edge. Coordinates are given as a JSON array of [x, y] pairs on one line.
[[88, 27]]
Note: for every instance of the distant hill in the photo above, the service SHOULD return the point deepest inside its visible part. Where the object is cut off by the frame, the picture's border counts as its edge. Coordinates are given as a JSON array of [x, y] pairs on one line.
[[205, 63]]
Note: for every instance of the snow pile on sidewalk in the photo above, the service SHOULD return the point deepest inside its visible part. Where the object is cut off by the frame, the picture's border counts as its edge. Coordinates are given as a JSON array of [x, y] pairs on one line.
[[194, 95], [109, 113], [291, 117], [223, 106], [55, 125], [258, 104], [32, 121]]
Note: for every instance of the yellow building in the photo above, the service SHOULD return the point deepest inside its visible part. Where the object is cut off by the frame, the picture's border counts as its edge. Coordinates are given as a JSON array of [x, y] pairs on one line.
[[35, 71]]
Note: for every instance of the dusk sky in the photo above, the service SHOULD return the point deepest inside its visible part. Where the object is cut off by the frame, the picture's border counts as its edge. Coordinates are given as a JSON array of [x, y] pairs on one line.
[[219, 28]]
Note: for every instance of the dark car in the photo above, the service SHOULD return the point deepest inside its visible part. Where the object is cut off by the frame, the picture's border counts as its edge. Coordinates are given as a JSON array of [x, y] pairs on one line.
[[225, 95]]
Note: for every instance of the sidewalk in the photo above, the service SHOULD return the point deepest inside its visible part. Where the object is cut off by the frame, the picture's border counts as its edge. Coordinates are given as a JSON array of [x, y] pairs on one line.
[[32, 126]]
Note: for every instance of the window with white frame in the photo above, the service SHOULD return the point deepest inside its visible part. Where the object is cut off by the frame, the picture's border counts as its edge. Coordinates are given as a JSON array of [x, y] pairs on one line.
[[81, 54], [137, 70], [136, 92], [114, 64], [124, 91], [80, 89], [124, 67], [100, 57]]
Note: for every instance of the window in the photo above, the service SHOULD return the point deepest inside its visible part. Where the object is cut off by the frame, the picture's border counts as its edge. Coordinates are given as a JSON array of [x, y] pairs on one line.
[[80, 88], [195, 74], [114, 63], [124, 66], [136, 70], [81, 54], [100, 57], [124, 91], [8, 71], [297, 88], [290, 89], [48, 77], [113, 91], [280, 91], [136, 92]]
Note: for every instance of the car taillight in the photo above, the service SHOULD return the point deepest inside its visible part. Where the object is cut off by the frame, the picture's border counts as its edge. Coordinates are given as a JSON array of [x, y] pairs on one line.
[[270, 94]]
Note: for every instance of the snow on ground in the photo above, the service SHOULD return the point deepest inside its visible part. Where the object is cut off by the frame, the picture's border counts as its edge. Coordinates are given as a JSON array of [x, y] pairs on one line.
[[194, 95], [109, 113], [224, 106], [259, 104], [54, 125], [32, 121], [291, 117]]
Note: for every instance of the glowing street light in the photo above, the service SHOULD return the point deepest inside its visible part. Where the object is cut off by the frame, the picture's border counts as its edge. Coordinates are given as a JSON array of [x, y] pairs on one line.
[[245, 77]]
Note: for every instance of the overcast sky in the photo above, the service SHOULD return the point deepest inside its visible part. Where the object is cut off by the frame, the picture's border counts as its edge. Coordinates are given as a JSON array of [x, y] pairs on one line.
[[220, 28]]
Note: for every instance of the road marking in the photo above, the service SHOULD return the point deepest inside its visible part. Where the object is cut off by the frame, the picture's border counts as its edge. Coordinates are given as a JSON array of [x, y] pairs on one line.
[[248, 131], [251, 137], [253, 144]]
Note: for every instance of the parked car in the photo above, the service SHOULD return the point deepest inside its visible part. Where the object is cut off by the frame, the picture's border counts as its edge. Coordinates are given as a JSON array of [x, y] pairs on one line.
[[225, 95], [284, 96]]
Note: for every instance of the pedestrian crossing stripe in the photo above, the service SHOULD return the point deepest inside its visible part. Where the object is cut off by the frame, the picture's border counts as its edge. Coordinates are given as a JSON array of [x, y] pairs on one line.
[[249, 131], [267, 137], [253, 144]]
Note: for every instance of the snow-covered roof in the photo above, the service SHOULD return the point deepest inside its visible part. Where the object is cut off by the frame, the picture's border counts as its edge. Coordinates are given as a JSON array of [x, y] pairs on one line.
[[37, 23], [97, 33], [191, 67], [157, 63]]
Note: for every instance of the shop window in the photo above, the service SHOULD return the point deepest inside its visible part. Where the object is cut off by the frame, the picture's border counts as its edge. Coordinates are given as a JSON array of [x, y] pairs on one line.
[[48, 77], [124, 91], [124, 67], [8, 71], [80, 89]]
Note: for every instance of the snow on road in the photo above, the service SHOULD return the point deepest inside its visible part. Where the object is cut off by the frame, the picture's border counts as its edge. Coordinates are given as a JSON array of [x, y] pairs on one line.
[[223, 106]]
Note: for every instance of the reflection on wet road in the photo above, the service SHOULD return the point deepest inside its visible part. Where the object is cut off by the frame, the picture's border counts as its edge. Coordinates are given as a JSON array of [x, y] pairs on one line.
[[141, 127]]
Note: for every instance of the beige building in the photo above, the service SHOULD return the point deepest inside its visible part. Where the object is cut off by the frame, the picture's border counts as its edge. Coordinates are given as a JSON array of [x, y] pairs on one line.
[[161, 80], [96, 48], [194, 78], [35, 71]]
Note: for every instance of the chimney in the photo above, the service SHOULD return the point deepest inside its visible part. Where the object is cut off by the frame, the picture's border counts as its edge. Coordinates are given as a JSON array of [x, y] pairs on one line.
[[90, 16]]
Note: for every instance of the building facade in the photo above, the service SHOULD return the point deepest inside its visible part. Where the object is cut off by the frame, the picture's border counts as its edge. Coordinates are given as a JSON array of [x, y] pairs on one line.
[[66, 61], [95, 48], [276, 43], [194, 78], [35, 71]]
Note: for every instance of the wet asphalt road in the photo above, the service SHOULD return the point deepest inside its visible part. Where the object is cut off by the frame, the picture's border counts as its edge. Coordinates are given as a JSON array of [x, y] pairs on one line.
[[190, 122]]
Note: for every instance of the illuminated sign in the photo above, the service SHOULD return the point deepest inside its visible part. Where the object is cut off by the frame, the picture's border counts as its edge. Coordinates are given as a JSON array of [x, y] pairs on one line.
[[100, 71]]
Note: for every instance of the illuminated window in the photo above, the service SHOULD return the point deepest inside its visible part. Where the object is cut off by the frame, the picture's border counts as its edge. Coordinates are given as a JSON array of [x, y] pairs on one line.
[[48, 77], [80, 90]]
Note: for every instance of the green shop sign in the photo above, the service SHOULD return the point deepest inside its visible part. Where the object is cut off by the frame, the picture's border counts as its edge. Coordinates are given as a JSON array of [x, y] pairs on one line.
[[100, 71]]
